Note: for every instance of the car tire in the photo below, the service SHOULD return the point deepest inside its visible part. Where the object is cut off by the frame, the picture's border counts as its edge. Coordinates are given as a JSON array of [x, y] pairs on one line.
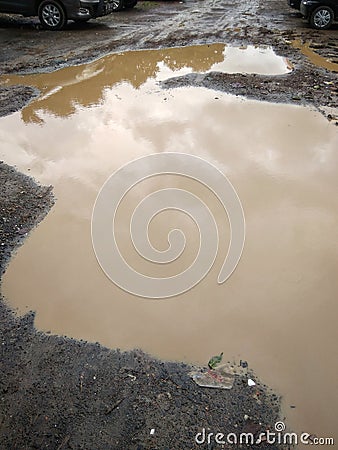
[[130, 4], [117, 5], [52, 15], [322, 18]]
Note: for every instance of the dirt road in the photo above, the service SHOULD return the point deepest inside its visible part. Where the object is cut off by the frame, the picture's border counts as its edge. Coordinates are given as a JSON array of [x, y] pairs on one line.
[[153, 25], [166, 24]]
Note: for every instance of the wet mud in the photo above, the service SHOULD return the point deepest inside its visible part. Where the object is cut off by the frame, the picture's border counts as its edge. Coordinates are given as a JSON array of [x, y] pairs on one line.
[[14, 98]]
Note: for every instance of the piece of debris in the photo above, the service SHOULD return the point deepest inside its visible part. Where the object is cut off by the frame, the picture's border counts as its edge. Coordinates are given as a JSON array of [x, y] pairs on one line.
[[215, 360], [213, 379], [114, 406], [152, 431], [251, 382]]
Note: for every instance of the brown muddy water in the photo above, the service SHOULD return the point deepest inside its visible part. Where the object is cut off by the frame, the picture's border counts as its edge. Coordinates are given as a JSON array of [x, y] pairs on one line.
[[85, 84], [277, 311]]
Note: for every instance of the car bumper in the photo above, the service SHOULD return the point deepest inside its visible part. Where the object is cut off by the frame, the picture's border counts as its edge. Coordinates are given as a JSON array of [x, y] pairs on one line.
[[104, 7], [90, 9]]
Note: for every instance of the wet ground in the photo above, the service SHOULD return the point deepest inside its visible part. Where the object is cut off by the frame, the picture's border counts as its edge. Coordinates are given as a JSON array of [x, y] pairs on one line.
[[292, 157], [165, 24]]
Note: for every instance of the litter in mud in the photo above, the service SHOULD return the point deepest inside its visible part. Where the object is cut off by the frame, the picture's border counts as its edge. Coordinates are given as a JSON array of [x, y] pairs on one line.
[[215, 361], [213, 379]]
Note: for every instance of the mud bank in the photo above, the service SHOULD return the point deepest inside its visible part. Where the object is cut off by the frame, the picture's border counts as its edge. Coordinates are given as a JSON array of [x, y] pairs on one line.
[[277, 89], [14, 98]]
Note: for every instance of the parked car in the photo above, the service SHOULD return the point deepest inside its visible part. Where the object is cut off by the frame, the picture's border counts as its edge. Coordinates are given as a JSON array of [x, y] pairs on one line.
[[54, 14], [320, 13]]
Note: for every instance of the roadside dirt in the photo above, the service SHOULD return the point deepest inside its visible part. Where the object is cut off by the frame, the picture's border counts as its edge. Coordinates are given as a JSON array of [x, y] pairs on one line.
[[58, 393]]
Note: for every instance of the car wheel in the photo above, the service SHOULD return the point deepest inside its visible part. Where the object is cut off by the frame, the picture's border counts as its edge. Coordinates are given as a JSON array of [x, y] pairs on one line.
[[117, 5], [130, 4], [321, 18], [51, 15]]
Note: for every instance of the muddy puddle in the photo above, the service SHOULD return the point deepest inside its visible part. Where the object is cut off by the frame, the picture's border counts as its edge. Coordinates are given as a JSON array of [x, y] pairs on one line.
[[65, 89], [277, 310]]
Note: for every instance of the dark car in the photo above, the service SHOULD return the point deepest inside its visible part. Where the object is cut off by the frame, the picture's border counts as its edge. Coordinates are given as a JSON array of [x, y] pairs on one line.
[[320, 13], [53, 14]]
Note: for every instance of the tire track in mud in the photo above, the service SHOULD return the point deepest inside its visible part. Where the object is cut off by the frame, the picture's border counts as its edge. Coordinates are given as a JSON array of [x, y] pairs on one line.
[[201, 20]]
